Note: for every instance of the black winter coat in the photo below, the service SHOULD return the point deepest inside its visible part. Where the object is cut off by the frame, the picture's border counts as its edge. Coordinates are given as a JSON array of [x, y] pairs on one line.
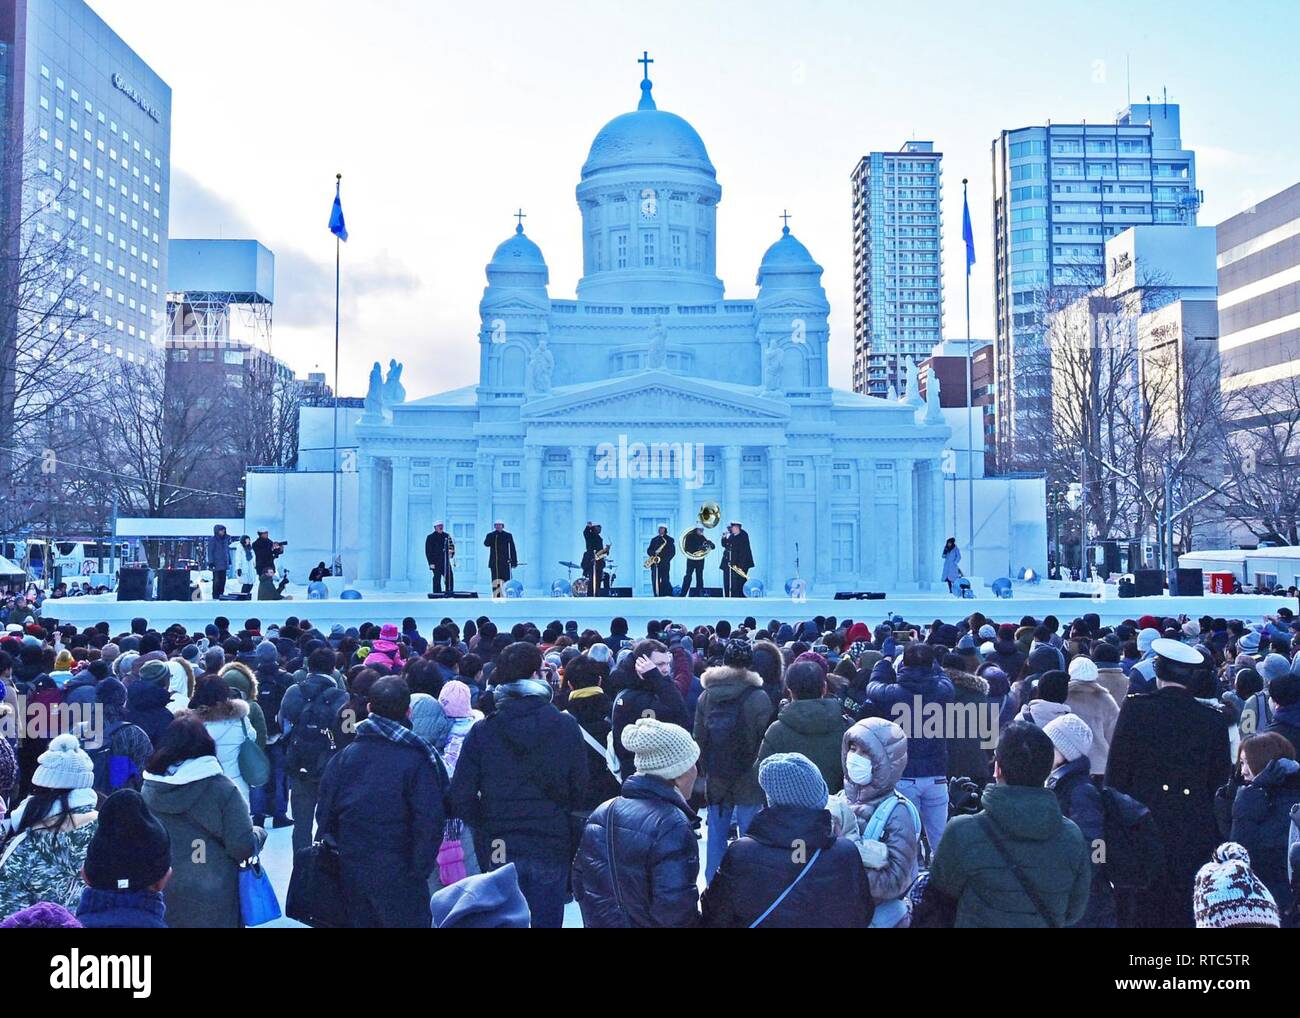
[[590, 707], [927, 756], [272, 683], [655, 859], [1170, 752], [520, 775], [383, 802], [755, 870], [653, 695], [1261, 822], [1080, 801], [146, 706]]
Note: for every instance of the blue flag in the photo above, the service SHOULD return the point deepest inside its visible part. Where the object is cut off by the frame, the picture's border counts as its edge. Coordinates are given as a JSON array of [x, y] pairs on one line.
[[337, 226], [967, 234]]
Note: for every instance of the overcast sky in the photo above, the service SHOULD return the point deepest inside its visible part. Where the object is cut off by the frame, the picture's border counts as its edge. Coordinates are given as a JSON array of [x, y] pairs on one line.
[[443, 118]]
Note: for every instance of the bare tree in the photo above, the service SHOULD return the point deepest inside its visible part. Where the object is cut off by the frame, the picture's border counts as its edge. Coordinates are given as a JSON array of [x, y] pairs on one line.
[[1262, 444], [51, 377]]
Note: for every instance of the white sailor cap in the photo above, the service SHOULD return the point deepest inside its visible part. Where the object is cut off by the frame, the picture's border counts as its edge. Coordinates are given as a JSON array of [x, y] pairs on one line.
[[496, 523], [439, 523], [1176, 650]]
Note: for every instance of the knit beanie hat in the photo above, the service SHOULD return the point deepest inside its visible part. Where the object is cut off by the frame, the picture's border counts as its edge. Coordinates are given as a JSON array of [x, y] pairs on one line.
[[738, 654], [1084, 669], [130, 850], [987, 632], [791, 779], [45, 915], [1227, 894], [156, 673], [1191, 629], [1249, 642], [454, 698], [660, 750], [1273, 666], [64, 765], [388, 631], [1070, 735], [214, 659]]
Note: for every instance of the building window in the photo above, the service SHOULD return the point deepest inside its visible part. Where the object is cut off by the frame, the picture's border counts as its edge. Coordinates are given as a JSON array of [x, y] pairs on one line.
[[678, 245], [842, 547], [233, 356], [649, 240], [620, 250], [510, 479]]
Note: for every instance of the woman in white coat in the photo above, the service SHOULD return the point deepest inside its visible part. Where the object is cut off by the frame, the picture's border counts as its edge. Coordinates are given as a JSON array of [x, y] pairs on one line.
[[951, 558], [225, 716]]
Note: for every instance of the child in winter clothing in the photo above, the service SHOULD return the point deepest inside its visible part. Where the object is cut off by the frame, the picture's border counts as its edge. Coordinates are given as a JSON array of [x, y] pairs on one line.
[[883, 824], [127, 866], [1080, 801]]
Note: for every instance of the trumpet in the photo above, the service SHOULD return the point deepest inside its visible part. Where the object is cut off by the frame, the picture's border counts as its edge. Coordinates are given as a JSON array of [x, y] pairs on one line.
[[451, 550], [602, 554], [653, 560], [740, 572]]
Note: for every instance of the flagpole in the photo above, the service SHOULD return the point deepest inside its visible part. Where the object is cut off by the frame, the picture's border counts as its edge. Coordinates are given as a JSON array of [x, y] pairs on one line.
[[334, 462], [970, 403]]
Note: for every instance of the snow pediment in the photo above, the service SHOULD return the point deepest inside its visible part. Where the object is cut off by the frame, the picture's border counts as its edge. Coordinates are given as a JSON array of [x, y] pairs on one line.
[[656, 397]]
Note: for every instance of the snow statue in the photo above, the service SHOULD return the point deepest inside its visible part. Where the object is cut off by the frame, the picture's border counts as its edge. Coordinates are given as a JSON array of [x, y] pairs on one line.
[[933, 415], [893, 393], [657, 355], [375, 393], [912, 392], [394, 391], [541, 367], [773, 367]]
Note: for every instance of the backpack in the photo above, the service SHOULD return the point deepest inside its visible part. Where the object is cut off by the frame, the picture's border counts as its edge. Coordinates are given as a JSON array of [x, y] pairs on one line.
[[1135, 854], [269, 696], [1260, 712], [113, 768], [314, 737], [727, 756]]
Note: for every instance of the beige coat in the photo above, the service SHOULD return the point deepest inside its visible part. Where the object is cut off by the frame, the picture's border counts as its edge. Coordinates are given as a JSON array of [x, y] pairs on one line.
[[1095, 705], [1114, 680]]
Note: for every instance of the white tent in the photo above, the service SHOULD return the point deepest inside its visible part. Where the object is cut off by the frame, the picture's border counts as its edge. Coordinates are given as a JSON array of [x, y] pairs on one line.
[[8, 568]]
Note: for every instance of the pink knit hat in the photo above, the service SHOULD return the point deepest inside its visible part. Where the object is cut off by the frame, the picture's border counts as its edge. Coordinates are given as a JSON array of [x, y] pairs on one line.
[[454, 699], [389, 632]]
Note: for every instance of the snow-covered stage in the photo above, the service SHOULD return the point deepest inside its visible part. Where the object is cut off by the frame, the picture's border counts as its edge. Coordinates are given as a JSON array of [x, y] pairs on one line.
[[381, 607]]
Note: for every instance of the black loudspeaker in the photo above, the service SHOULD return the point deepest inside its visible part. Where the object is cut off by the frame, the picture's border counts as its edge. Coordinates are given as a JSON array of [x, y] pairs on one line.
[[1126, 588], [464, 594], [174, 585], [1148, 583], [706, 592], [135, 584], [859, 595], [1078, 593], [235, 597], [619, 592], [1186, 583]]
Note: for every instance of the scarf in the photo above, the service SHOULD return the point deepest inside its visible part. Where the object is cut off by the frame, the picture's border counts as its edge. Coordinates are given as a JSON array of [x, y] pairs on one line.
[[399, 734]]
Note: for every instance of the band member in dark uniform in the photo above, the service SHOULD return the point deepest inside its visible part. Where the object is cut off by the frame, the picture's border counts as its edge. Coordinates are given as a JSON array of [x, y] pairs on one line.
[[663, 547], [501, 556], [593, 567], [735, 552], [693, 542], [437, 552], [266, 551]]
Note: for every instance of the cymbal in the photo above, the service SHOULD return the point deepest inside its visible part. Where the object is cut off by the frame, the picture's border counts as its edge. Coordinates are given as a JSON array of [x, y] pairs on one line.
[[570, 565]]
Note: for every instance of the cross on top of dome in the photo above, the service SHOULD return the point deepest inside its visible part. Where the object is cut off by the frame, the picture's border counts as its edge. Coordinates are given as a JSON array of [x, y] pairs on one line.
[[647, 100]]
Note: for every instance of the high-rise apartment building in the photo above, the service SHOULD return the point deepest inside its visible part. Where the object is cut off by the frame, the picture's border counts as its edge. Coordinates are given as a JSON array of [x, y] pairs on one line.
[[1060, 191], [897, 263]]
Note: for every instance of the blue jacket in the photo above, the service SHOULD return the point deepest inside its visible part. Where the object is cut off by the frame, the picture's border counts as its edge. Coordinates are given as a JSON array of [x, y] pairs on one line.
[[656, 859], [124, 910], [1261, 822], [383, 803], [146, 706], [520, 774], [926, 756]]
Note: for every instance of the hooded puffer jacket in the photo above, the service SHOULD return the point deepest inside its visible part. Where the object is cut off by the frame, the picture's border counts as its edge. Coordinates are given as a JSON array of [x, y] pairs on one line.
[[885, 745], [146, 706], [1006, 655], [1261, 822], [241, 679], [927, 755], [648, 874], [227, 722]]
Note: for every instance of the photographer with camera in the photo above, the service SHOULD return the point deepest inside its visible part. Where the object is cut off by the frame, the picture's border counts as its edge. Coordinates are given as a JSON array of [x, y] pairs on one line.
[[266, 551]]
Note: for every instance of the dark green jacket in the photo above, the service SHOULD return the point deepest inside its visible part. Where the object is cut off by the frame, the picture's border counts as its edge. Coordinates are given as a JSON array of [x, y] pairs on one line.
[[1050, 850], [814, 728]]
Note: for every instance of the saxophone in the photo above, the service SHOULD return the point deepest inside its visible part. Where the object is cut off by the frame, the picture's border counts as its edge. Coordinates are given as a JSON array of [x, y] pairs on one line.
[[653, 560]]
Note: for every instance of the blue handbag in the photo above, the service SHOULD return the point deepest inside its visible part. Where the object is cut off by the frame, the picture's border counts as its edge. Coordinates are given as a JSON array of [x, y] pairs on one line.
[[257, 901]]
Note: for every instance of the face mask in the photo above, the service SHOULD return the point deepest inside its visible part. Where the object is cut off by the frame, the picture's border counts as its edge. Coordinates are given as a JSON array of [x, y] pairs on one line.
[[858, 768]]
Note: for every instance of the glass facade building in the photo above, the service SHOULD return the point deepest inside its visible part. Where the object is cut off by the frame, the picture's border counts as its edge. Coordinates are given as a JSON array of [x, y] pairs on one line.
[[1060, 191], [897, 263], [87, 141]]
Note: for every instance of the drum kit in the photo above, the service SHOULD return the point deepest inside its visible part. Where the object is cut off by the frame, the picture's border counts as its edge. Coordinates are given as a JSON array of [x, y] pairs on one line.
[[582, 585]]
